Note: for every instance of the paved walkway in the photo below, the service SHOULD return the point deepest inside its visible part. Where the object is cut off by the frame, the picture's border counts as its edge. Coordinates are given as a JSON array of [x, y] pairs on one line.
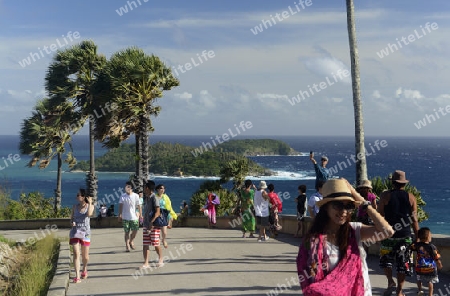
[[202, 262]]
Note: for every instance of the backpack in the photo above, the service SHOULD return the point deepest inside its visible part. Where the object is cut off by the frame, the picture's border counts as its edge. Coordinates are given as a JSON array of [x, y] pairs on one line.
[[425, 264]]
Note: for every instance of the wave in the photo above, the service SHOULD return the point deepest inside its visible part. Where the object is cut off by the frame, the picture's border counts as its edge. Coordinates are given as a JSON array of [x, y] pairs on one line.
[[279, 175]]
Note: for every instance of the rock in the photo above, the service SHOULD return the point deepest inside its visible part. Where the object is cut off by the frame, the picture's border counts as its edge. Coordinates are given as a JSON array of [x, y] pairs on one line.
[[8, 260]]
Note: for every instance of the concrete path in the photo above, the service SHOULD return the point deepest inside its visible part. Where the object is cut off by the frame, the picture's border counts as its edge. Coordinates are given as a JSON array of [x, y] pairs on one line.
[[201, 262]]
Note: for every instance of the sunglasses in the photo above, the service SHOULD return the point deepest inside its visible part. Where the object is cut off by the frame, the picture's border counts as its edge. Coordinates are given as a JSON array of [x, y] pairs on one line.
[[340, 206]]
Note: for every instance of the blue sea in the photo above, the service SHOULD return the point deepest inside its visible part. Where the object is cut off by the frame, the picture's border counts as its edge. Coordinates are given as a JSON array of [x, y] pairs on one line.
[[425, 161]]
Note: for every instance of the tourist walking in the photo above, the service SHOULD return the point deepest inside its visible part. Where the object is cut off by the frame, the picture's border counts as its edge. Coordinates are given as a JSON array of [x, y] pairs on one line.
[[128, 203], [262, 211], [331, 259], [313, 209], [301, 201], [80, 234], [400, 210], [151, 233], [322, 173], [166, 209], [428, 261], [248, 218]]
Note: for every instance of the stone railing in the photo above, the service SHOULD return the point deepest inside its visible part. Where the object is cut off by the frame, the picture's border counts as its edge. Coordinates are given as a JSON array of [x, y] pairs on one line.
[[289, 223]]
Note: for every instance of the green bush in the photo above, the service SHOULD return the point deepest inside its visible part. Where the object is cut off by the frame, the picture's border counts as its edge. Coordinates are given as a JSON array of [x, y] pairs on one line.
[[32, 205], [227, 199]]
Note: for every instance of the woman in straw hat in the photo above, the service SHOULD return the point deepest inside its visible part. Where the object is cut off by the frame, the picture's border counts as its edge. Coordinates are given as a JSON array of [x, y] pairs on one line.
[[365, 190], [331, 259]]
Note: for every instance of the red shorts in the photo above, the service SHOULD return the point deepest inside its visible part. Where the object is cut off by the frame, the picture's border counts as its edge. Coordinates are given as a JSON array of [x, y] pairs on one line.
[[151, 238], [74, 241]]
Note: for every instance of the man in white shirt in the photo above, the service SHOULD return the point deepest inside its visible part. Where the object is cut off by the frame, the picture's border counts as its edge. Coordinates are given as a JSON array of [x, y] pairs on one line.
[[128, 203], [312, 208], [261, 202]]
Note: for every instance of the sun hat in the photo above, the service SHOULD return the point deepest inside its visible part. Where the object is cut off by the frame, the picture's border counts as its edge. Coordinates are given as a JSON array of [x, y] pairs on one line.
[[365, 184], [262, 185], [324, 157], [399, 177], [336, 189]]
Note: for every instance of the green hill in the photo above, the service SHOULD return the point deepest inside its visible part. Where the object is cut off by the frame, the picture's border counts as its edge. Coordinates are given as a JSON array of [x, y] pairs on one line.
[[169, 159]]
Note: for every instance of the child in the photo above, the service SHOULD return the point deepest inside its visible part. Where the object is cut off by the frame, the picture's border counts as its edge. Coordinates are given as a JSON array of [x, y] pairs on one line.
[[301, 201], [427, 261]]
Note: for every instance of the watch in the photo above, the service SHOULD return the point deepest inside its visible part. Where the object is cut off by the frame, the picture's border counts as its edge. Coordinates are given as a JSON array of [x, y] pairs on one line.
[[365, 204]]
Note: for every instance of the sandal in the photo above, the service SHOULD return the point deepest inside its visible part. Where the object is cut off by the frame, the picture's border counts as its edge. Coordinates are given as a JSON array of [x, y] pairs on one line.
[[84, 275], [76, 280]]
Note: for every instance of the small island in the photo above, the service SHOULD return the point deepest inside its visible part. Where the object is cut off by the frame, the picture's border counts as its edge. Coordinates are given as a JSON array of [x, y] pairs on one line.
[[181, 161]]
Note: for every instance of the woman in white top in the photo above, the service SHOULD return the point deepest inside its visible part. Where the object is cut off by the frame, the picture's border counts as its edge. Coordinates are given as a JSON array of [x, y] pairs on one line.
[[331, 259]]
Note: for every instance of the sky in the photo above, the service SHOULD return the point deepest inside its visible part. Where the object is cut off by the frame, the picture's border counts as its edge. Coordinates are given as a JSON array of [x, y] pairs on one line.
[[279, 67]]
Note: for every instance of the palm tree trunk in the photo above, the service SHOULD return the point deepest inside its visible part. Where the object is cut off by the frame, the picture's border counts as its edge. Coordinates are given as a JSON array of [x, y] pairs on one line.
[[57, 206], [91, 178], [145, 123], [137, 181], [361, 165]]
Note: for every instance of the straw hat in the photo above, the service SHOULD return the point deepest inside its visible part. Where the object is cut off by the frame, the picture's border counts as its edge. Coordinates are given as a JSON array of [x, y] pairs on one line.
[[365, 184], [262, 185], [336, 189]]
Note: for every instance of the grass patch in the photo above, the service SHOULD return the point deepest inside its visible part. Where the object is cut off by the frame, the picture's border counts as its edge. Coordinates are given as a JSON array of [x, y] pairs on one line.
[[37, 269]]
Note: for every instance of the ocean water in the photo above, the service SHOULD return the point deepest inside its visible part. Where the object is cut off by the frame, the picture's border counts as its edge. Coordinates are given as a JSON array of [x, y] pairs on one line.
[[425, 161]]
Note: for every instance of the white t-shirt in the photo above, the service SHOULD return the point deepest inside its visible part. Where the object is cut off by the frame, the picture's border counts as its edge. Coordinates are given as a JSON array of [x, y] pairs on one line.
[[129, 205], [261, 205], [312, 201], [333, 257]]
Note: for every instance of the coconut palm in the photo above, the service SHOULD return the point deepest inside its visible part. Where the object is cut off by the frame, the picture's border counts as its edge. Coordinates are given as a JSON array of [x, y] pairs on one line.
[[135, 80], [45, 135], [71, 76], [361, 164]]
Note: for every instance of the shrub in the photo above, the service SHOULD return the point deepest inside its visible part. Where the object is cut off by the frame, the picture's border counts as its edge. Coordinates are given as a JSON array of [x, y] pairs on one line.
[[198, 199]]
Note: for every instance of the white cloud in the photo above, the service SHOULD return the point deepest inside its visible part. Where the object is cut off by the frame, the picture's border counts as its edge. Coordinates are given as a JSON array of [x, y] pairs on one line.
[[186, 96], [330, 67], [272, 96]]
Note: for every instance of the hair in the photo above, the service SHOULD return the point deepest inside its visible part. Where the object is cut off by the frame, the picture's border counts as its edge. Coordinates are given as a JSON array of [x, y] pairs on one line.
[[248, 183], [397, 185], [129, 183], [319, 226], [150, 185], [302, 188], [271, 187], [319, 184], [83, 194], [159, 186], [423, 233]]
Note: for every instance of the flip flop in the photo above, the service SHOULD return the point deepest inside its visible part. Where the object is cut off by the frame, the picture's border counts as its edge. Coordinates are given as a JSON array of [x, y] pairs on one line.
[[76, 280], [84, 275], [145, 267], [127, 250], [132, 246], [165, 244], [160, 265]]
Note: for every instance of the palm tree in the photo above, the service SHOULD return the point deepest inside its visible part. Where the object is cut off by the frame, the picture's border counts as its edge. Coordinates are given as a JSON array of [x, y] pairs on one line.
[[136, 81], [71, 76], [361, 164], [44, 135]]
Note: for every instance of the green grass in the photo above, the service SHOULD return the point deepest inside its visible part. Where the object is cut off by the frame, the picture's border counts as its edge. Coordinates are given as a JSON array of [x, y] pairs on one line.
[[36, 272]]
